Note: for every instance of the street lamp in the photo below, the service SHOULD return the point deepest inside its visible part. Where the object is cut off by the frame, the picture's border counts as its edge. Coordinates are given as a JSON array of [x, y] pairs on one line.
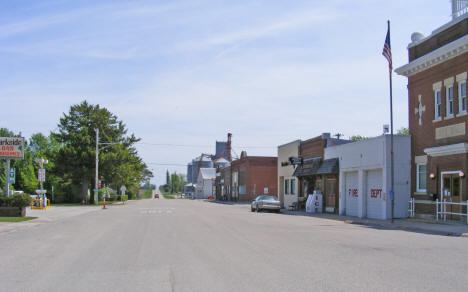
[[41, 177]]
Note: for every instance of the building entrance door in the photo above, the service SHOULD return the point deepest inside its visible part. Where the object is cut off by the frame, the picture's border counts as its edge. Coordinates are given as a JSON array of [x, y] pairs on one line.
[[451, 189], [330, 197]]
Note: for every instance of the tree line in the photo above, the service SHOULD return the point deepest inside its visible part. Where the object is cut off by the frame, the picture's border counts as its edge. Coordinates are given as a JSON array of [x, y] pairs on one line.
[[174, 183], [71, 150]]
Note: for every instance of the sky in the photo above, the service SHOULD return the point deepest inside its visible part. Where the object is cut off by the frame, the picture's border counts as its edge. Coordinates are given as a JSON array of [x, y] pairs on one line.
[[189, 72]]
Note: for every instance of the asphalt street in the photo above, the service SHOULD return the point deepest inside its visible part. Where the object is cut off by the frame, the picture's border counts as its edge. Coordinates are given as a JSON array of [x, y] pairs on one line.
[[189, 245]]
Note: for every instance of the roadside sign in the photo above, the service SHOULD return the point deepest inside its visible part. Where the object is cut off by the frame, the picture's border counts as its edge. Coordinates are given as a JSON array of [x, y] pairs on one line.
[[123, 189], [11, 147], [12, 175], [41, 175], [99, 184]]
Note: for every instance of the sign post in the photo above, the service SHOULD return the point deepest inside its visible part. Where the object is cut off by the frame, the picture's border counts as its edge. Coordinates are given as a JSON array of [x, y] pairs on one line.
[[10, 148], [41, 178], [12, 175]]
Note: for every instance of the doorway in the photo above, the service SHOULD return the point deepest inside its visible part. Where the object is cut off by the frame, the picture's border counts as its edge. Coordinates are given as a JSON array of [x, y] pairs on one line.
[[331, 195], [451, 190]]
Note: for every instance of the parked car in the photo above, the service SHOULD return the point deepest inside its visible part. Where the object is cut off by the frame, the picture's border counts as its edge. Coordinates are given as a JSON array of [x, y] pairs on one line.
[[261, 203], [156, 196]]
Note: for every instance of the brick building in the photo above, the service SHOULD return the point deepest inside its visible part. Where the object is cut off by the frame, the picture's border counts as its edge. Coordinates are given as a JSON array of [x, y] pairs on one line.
[[318, 174], [252, 176], [437, 73]]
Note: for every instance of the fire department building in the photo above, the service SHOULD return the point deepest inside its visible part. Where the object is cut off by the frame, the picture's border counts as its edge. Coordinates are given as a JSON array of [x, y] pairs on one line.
[[437, 74]]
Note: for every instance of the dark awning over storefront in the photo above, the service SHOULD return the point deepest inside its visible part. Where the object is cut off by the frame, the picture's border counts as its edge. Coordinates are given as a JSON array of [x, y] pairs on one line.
[[317, 166]]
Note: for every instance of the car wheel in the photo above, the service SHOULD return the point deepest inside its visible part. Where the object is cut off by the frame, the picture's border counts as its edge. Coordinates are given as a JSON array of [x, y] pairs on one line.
[[251, 209]]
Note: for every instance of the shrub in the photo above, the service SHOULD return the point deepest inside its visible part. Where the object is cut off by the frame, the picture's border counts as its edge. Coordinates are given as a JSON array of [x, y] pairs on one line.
[[4, 201], [20, 200], [124, 198]]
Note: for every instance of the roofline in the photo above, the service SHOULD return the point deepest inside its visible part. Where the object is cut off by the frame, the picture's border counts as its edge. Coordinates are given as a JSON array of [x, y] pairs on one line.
[[295, 141]]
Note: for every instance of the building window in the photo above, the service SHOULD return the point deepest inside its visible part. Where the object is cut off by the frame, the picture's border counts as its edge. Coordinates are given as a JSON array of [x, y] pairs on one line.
[[421, 178], [293, 186], [449, 106], [438, 105], [462, 97], [286, 187]]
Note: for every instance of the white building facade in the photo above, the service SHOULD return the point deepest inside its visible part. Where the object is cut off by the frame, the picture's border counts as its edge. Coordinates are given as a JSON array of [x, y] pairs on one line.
[[365, 176], [205, 183], [287, 183]]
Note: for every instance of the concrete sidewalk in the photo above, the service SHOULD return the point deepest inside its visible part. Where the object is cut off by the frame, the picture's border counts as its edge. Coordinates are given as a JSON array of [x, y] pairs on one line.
[[448, 228]]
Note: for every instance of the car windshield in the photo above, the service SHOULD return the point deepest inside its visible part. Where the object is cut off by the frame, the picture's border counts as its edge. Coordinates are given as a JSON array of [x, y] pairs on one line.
[[268, 198]]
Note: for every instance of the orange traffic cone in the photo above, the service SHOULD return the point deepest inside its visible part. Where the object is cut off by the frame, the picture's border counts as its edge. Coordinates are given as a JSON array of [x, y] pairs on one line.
[[104, 204]]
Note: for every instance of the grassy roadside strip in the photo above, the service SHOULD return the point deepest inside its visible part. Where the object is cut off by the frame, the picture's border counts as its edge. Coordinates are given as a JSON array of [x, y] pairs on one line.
[[169, 196], [16, 219], [79, 204]]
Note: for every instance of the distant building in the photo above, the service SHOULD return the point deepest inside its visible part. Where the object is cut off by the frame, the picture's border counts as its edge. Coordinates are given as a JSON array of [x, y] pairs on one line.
[[205, 183], [438, 116], [252, 176]]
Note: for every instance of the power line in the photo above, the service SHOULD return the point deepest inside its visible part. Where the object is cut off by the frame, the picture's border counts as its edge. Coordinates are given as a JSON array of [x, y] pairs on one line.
[[166, 164], [194, 145]]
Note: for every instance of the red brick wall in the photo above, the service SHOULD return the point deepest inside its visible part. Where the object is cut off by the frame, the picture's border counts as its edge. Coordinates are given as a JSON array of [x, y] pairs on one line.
[[423, 136], [261, 172]]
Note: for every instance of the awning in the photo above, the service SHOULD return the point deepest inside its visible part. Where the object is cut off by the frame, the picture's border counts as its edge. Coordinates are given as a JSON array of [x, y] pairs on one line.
[[317, 166]]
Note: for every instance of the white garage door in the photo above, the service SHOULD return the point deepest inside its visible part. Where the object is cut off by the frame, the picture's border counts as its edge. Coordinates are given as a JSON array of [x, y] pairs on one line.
[[374, 195], [352, 193]]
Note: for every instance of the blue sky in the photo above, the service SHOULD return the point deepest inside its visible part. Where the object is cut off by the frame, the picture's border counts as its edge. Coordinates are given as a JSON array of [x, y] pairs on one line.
[[188, 72]]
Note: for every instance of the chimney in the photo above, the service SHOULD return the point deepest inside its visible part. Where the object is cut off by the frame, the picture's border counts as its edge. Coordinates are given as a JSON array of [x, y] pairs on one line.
[[229, 158]]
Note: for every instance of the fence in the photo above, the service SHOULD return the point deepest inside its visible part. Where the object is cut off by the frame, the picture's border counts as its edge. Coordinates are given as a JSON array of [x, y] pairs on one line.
[[411, 209], [441, 209]]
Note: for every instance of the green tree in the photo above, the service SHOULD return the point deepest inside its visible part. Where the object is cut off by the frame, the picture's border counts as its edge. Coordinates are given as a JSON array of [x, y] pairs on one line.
[[118, 164], [403, 131], [357, 138]]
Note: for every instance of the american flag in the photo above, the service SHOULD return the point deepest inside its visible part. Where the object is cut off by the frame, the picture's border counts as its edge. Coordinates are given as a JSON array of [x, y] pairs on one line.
[[387, 50]]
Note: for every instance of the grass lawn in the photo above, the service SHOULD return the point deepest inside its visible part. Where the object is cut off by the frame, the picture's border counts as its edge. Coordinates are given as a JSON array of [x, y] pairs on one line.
[[169, 196], [78, 204], [16, 219]]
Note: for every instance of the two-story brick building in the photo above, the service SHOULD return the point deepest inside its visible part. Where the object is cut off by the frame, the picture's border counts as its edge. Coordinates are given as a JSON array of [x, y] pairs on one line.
[[437, 74]]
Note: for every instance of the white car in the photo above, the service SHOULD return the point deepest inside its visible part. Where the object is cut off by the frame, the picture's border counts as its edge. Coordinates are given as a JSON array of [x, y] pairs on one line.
[[261, 203]]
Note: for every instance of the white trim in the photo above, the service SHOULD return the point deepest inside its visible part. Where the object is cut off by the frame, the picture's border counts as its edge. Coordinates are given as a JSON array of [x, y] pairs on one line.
[[438, 116], [436, 57], [461, 77], [460, 103], [437, 86], [449, 81], [452, 149], [417, 178], [420, 159], [449, 86]]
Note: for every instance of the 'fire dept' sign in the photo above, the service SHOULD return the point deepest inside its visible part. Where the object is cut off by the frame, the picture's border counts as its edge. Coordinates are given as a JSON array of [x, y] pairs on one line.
[[11, 147]]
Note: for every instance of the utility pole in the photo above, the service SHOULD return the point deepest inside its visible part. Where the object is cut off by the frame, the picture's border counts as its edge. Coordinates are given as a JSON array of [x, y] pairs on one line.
[[97, 165]]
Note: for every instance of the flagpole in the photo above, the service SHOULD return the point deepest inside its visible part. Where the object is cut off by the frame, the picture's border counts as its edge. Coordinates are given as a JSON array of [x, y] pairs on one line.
[[392, 168]]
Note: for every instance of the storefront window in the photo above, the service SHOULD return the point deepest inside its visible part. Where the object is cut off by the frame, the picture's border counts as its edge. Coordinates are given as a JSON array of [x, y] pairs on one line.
[[286, 187], [293, 186]]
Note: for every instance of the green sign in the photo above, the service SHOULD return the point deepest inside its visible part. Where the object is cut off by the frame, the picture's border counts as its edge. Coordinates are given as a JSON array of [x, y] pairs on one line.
[[12, 175]]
